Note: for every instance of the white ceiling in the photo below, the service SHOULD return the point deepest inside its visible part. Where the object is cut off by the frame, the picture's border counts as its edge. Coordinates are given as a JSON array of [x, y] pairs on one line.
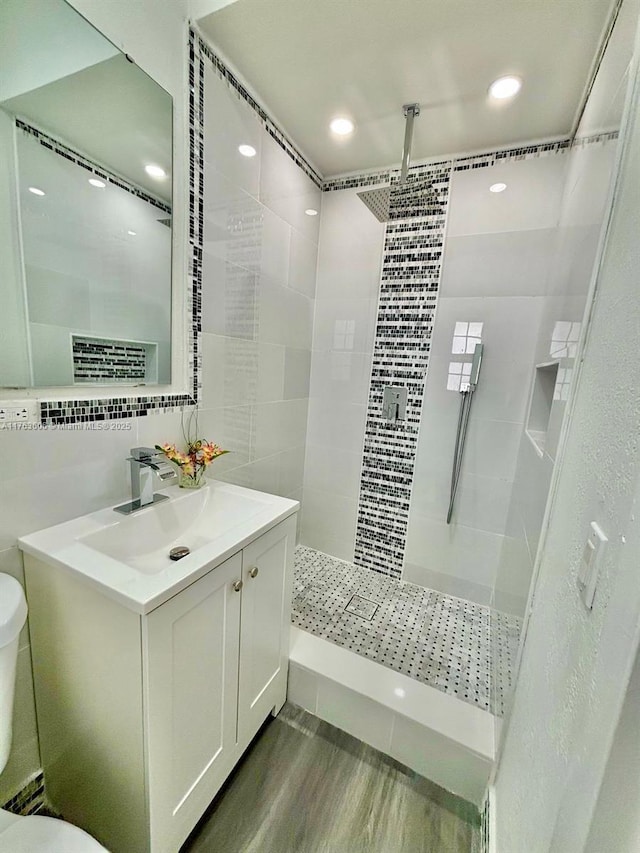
[[310, 60]]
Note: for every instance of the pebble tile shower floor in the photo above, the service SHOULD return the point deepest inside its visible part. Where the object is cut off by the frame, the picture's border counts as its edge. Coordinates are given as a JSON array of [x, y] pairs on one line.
[[456, 646]]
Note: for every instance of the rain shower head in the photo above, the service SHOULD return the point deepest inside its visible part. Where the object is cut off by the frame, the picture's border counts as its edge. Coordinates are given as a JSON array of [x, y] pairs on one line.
[[387, 203]]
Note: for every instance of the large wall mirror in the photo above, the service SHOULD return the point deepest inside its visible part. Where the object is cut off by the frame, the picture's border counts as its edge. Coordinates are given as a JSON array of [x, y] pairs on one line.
[[85, 206]]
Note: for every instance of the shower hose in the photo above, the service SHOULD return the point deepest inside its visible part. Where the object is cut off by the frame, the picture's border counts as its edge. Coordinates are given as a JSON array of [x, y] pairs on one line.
[[466, 397]]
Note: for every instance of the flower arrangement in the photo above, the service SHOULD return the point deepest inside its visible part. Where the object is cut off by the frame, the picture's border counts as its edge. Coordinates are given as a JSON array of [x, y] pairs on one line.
[[195, 460]]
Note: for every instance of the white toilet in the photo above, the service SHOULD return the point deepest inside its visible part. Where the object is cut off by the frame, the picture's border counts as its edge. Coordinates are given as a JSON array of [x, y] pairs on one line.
[[26, 834]]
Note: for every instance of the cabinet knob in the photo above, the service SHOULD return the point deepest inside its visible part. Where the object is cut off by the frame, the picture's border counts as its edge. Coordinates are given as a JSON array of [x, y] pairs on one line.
[[237, 586], [253, 572]]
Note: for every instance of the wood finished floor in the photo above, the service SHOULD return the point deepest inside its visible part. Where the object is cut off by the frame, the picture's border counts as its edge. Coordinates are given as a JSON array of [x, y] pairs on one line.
[[307, 787]]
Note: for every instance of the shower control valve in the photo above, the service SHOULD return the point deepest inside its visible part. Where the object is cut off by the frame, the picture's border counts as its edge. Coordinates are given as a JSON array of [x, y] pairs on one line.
[[394, 403]]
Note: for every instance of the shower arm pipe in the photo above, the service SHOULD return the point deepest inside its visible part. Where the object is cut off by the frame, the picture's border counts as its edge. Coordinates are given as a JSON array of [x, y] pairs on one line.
[[411, 111]]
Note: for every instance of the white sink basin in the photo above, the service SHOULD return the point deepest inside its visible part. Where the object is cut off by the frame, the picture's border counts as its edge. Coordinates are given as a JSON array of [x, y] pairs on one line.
[[128, 556], [143, 539]]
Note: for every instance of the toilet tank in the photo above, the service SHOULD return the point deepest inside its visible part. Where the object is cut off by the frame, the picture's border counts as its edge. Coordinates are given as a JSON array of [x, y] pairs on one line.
[[13, 614]]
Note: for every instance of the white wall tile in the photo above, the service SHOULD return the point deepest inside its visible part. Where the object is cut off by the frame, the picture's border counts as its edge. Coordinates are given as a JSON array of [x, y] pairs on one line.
[[531, 200], [510, 329], [280, 426], [340, 425], [513, 579], [481, 502], [341, 376], [262, 474], [303, 260], [286, 190], [345, 325], [511, 263], [229, 299], [274, 241], [286, 317], [230, 122], [350, 248], [328, 523], [451, 549], [331, 469], [233, 428], [297, 373], [232, 221], [491, 448]]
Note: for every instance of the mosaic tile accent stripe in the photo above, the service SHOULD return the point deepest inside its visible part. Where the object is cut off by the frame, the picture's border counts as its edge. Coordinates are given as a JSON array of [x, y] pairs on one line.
[[527, 152], [30, 798], [595, 139], [411, 266], [85, 163], [60, 412], [267, 122], [437, 639], [97, 360]]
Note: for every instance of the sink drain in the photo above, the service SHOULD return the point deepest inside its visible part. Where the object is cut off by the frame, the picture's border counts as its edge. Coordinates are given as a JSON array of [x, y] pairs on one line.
[[179, 552]]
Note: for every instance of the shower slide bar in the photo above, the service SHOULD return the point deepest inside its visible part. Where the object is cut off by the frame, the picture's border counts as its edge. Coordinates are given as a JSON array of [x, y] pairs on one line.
[[467, 391]]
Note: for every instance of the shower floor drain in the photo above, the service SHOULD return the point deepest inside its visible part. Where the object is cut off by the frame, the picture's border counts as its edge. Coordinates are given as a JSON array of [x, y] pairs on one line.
[[362, 607]]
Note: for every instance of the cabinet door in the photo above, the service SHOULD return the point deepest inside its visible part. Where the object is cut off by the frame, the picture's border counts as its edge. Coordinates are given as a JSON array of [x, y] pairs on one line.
[[191, 709], [267, 568]]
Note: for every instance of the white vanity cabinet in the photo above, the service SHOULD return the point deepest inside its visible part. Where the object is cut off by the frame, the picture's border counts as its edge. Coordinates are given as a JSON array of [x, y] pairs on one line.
[[143, 716]]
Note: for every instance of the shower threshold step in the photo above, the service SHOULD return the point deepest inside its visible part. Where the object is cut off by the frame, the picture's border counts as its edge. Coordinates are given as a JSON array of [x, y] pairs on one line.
[[438, 736]]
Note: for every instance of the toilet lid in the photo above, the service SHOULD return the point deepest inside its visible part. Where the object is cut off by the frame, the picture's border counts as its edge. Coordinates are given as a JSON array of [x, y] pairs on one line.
[[46, 835]]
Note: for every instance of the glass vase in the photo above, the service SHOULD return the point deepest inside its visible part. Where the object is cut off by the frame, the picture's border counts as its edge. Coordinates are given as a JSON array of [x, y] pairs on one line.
[[192, 481]]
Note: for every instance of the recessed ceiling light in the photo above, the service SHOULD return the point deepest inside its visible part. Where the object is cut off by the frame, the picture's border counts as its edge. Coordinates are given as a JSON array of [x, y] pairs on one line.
[[96, 183], [400, 691], [36, 191], [342, 126], [155, 171], [247, 150], [497, 188], [310, 211], [133, 233], [505, 87]]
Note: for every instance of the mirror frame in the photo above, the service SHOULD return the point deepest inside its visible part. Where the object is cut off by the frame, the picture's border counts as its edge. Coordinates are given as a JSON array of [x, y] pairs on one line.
[[73, 405]]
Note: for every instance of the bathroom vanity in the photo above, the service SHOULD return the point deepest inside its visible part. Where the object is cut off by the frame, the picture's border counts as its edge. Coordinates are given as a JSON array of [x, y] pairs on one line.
[[153, 676]]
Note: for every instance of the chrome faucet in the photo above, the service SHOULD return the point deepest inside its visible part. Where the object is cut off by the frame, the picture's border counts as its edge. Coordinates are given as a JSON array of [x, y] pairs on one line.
[[145, 462]]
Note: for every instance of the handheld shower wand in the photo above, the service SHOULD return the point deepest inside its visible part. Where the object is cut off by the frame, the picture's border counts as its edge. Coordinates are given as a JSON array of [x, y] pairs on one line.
[[467, 390]]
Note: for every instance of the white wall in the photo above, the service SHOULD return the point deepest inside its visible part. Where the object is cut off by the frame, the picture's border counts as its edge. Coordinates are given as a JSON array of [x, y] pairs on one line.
[[53, 475], [616, 822], [349, 260], [584, 201], [497, 256], [576, 663]]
